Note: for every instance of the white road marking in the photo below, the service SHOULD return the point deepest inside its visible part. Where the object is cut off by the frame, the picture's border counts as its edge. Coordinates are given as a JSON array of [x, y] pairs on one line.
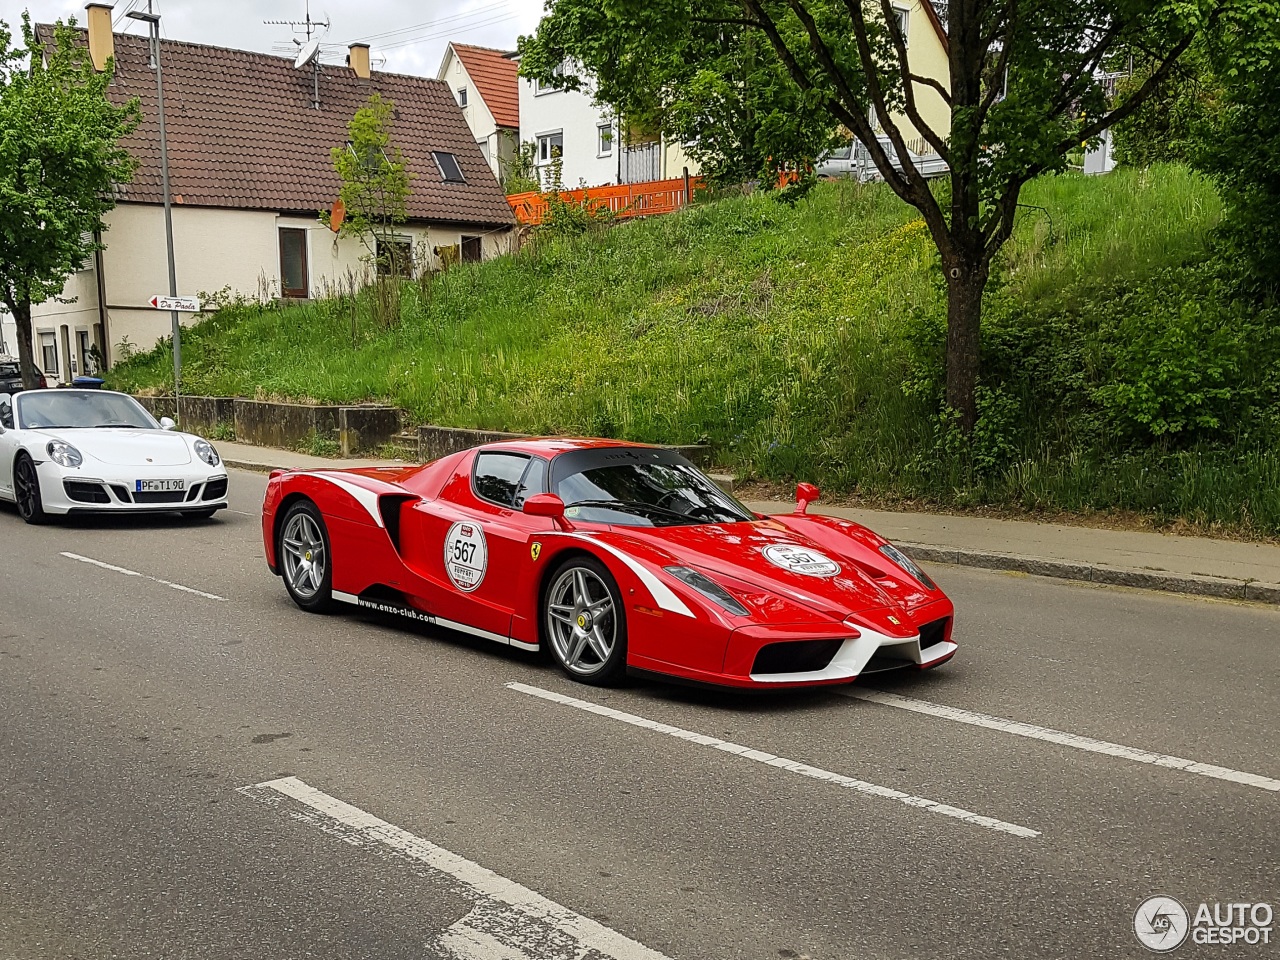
[[507, 921], [1063, 739], [803, 769], [134, 573]]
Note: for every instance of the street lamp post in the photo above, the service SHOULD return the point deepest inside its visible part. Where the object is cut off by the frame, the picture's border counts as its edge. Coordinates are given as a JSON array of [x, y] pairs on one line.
[[153, 21]]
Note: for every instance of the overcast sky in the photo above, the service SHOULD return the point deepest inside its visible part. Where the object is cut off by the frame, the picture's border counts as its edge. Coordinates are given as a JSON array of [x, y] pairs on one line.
[[409, 35]]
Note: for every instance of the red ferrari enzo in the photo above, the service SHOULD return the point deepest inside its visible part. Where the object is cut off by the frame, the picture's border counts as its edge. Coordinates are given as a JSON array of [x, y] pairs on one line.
[[616, 557]]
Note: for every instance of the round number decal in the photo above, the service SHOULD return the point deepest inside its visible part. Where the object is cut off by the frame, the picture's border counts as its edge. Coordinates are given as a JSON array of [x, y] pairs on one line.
[[466, 555], [802, 560]]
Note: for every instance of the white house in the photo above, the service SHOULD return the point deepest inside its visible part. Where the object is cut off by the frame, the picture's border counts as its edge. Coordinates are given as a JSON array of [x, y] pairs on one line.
[[485, 82], [251, 168]]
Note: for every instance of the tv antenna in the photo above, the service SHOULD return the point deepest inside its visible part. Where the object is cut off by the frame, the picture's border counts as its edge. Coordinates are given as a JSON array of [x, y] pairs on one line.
[[308, 50]]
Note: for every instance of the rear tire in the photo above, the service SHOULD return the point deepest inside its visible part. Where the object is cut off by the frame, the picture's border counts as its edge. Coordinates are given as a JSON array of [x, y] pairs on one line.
[[306, 563], [584, 622], [26, 491]]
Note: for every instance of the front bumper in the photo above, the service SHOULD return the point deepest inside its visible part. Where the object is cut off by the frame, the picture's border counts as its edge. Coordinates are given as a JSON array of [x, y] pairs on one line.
[[100, 489]]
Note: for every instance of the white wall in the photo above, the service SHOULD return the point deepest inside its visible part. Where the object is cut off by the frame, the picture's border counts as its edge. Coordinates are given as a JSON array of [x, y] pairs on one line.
[[8, 333], [214, 249], [571, 113]]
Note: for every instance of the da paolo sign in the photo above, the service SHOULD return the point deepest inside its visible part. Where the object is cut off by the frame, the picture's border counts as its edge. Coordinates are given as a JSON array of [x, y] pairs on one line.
[[1162, 924], [180, 304]]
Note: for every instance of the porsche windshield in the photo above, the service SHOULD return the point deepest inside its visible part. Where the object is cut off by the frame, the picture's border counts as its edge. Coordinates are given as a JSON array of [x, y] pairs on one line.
[[49, 409], [640, 487]]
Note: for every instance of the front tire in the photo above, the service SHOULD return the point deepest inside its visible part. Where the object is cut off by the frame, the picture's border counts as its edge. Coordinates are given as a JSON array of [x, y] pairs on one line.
[[584, 622], [306, 563], [26, 489]]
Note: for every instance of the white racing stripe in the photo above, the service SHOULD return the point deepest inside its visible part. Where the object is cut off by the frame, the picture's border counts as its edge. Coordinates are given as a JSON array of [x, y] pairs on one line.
[[134, 573], [1063, 739], [506, 921], [803, 769]]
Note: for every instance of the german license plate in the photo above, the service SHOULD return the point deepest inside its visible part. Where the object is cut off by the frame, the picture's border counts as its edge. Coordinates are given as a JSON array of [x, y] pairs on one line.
[[160, 486]]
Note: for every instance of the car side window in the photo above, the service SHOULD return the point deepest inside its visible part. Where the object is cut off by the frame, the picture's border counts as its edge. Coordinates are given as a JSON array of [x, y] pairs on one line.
[[497, 477], [6, 414], [533, 482]]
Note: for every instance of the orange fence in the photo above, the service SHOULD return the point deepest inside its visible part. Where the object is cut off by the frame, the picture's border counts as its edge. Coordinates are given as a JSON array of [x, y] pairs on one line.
[[625, 200]]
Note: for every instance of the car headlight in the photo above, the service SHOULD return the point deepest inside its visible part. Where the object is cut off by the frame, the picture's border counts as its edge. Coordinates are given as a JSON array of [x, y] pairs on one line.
[[64, 454], [709, 589], [907, 564], [205, 451]]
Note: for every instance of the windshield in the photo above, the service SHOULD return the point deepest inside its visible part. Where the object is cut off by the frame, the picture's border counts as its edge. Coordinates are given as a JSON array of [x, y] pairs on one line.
[[640, 487], [81, 408]]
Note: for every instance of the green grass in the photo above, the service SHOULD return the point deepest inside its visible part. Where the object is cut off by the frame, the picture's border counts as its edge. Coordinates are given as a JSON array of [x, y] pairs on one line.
[[779, 334]]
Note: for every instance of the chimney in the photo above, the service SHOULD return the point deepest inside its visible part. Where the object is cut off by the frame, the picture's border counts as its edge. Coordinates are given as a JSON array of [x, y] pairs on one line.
[[102, 44], [358, 59]]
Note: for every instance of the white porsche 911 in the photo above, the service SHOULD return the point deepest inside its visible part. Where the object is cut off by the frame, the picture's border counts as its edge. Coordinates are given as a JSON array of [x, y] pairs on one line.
[[94, 451]]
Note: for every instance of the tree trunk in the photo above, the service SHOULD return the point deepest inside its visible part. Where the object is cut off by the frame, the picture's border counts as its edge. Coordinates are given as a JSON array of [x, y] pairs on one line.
[[22, 319], [966, 281]]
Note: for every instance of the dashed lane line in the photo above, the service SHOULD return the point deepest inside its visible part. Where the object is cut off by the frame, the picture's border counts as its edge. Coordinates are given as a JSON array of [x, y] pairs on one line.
[[134, 573], [1075, 741], [759, 756]]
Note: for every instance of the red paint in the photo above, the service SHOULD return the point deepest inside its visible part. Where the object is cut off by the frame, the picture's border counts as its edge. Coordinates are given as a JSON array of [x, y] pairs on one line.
[[712, 645]]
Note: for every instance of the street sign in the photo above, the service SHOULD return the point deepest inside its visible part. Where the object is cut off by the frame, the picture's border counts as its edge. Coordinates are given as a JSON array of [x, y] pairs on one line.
[[180, 304]]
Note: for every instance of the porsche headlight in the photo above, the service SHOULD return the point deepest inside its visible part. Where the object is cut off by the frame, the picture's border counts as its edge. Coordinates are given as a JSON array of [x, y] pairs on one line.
[[205, 451], [907, 564], [709, 589], [64, 454]]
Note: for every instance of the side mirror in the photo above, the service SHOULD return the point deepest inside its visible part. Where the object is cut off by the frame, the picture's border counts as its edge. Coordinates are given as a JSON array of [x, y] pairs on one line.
[[544, 505], [806, 493], [166, 423], [547, 505]]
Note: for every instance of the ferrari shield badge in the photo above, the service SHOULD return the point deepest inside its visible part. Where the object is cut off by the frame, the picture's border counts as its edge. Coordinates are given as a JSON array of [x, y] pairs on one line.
[[535, 550], [466, 555], [801, 560]]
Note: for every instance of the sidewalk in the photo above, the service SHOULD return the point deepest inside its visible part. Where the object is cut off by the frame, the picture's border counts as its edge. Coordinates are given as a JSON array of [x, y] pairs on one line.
[[1154, 561]]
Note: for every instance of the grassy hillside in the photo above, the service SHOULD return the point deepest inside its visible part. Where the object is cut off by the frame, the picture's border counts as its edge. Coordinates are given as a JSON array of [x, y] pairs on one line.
[[783, 335]]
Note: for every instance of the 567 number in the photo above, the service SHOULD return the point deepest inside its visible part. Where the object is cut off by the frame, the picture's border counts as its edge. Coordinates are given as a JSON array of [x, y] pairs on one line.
[[463, 552]]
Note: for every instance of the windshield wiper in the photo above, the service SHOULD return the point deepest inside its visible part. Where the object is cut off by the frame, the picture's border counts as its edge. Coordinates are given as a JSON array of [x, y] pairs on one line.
[[636, 506], [120, 426]]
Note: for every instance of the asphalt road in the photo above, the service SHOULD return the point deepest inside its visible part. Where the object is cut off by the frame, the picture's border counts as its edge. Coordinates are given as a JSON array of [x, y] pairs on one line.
[[415, 804]]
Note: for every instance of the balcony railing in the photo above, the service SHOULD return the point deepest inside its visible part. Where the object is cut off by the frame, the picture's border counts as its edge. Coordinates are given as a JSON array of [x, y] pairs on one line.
[[623, 201]]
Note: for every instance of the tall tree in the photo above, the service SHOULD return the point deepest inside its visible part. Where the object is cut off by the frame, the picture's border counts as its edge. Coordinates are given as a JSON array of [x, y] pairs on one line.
[[60, 159], [1023, 86]]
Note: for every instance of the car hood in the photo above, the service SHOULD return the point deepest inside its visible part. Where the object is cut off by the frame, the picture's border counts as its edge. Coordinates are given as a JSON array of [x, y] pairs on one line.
[[119, 446], [775, 560]]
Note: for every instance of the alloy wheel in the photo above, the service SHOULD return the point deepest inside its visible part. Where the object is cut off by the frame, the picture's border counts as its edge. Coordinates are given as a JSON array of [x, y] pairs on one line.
[[582, 623], [304, 555]]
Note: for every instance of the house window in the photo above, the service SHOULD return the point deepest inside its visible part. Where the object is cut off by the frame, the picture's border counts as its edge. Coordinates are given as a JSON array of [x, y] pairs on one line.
[[604, 140], [550, 147], [395, 256], [904, 22], [293, 264], [49, 353], [471, 250], [462, 97], [449, 169], [540, 88]]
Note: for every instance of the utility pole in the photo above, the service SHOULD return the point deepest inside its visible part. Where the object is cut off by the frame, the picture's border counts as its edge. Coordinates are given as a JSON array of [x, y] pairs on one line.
[[153, 21]]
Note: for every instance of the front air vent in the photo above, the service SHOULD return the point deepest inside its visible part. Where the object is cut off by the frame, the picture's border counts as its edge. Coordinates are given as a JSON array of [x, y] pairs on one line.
[[795, 656], [85, 491]]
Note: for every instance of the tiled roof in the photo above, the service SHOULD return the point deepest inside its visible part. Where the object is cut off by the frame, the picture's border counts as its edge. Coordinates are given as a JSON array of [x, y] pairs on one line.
[[497, 80], [243, 133]]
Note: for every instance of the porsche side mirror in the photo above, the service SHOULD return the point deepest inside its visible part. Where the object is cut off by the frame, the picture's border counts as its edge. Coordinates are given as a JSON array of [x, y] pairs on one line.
[[166, 423], [806, 493]]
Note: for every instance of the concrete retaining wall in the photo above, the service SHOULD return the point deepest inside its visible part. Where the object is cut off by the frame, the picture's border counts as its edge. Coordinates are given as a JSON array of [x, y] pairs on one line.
[[436, 442], [366, 428], [198, 415], [283, 424]]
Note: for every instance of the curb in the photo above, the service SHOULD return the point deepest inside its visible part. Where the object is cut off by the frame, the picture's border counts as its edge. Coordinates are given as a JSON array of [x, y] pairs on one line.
[[1201, 586]]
